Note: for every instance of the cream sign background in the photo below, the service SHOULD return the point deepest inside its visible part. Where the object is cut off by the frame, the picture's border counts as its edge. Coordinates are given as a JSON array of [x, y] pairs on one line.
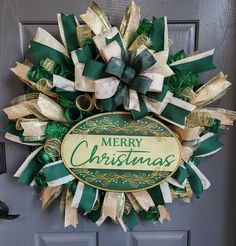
[[112, 151]]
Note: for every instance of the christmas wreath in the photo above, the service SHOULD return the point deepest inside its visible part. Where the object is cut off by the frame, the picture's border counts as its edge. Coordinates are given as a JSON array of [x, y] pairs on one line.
[[119, 122]]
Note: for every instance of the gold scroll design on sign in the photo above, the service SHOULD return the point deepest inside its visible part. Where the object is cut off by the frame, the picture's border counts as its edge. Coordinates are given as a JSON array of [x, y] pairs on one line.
[[134, 180], [106, 124]]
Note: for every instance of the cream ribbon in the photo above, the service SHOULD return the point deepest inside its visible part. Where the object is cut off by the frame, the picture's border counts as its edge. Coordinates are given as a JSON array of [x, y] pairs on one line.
[[212, 90], [49, 194], [144, 199], [188, 134], [71, 216], [43, 106]]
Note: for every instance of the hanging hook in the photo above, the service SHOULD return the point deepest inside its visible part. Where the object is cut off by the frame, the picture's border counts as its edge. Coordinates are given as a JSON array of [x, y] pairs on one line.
[[4, 212]]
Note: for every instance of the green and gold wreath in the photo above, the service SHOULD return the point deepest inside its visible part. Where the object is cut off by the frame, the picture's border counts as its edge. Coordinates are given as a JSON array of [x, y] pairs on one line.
[[103, 68]]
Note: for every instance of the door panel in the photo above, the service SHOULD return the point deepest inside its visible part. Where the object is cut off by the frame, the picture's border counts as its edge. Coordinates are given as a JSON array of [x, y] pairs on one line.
[[65, 239], [216, 23]]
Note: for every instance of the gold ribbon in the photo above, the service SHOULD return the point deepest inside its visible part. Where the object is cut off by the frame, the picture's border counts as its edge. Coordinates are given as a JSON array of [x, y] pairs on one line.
[[226, 117], [83, 33], [84, 103], [139, 41], [130, 22], [113, 207], [53, 147], [133, 202], [199, 117], [96, 19], [182, 194], [212, 90]]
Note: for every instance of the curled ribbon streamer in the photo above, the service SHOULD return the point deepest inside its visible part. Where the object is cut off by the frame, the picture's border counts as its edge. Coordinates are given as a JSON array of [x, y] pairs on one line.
[[199, 118], [84, 103], [73, 114], [53, 147]]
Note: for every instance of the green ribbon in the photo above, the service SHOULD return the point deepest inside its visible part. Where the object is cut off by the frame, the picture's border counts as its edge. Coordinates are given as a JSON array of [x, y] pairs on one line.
[[181, 174], [36, 73], [152, 215], [128, 73], [88, 198], [181, 80], [145, 27], [156, 195], [176, 57], [194, 181], [69, 27], [40, 180], [44, 157], [64, 102], [130, 220], [158, 33], [11, 128], [197, 66], [175, 113], [55, 172], [155, 30], [208, 146], [41, 52], [31, 171], [214, 128]]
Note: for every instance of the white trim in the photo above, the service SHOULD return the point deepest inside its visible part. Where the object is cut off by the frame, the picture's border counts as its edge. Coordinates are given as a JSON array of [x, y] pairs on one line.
[[44, 37], [193, 58], [53, 163], [176, 183], [205, 182], [182, 104], [209, 153], [26, 162], [166, 39], [78, 194], [61, 29], [16, 139], [61, 181], [166, 192]]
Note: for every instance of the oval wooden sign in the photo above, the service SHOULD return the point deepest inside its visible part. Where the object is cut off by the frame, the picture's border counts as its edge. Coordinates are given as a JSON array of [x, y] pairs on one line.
[[111, 151]]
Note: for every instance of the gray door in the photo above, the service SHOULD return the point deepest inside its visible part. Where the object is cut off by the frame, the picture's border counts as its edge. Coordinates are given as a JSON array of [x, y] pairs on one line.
[[209, 221]]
